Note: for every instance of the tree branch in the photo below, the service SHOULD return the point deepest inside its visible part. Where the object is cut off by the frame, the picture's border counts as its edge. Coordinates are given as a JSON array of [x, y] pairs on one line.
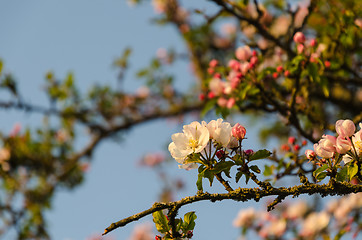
[[245, 194]]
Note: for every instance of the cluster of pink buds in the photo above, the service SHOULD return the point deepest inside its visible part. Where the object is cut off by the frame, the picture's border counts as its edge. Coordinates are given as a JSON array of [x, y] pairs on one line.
[[292, 145], [222, 86], [348, 143], [310, 48]]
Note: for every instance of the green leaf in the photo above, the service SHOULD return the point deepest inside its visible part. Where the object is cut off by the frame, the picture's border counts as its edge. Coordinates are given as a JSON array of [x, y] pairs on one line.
[[352, 170], [320, 170], [189, 221], [260, 155], [342, 174], [238, 176], [209, 175], [238, 160], [199, 182], [321, 176], [247, 178], [223, 167], [255, 168], [268, 170], [161, 222]]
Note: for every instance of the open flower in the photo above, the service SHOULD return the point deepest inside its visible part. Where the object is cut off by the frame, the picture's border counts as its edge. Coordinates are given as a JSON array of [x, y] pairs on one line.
[[219, 131], [193, 140]]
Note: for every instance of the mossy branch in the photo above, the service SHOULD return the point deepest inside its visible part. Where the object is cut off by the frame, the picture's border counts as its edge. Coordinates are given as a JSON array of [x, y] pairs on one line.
[[245, 194]]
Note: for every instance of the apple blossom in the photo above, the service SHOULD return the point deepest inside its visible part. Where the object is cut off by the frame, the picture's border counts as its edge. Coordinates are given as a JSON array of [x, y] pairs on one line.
[[325, 148], [219, 131], [296, 210], [245, 218], [194, 139], [310, 154], [243, 53], [314, 223], [216, 86], [345, 128], [343, 145]]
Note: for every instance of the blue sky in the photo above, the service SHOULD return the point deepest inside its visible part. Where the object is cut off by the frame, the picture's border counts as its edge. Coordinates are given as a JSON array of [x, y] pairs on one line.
[[85, 37]]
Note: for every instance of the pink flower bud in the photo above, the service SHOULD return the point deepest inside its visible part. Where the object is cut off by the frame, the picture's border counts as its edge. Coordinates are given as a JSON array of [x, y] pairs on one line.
[[304, 142], [254, 60], [299, 37], [238, 131], [230, 103], [286, 73], [275, 75], [234, 82], [213, 63], [327, 64], [249, 151], [310, 154], [313, 42], [217, 75], [243, 53], [285, 147], [233, 64], [343, 145], [345, 128], [210, 71], [222, 102]]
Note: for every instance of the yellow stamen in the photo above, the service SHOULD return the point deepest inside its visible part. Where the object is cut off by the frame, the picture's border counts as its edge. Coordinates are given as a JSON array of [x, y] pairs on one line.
[[193, 143]]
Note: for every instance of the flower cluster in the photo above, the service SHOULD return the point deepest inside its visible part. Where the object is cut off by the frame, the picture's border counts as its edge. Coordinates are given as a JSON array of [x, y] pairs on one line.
[[298, 219], [348, 142], [198, 138]]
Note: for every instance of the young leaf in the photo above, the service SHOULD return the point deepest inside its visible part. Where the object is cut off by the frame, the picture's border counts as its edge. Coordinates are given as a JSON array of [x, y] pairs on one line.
[[342, 174], [161, 222], [268, 170], [321, 176], [199, 181], [209, 175], [238, 176], [319, 170], [189, 221], [260, 155], [255, 169], [352, 170]]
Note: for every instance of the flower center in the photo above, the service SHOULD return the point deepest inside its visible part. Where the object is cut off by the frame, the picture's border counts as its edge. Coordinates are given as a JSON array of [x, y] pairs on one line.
[[193, 143], [358, 145]]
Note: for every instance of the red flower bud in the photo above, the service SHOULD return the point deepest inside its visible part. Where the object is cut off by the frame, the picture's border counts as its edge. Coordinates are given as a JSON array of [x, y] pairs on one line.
[[202, 97], [291, 140]]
